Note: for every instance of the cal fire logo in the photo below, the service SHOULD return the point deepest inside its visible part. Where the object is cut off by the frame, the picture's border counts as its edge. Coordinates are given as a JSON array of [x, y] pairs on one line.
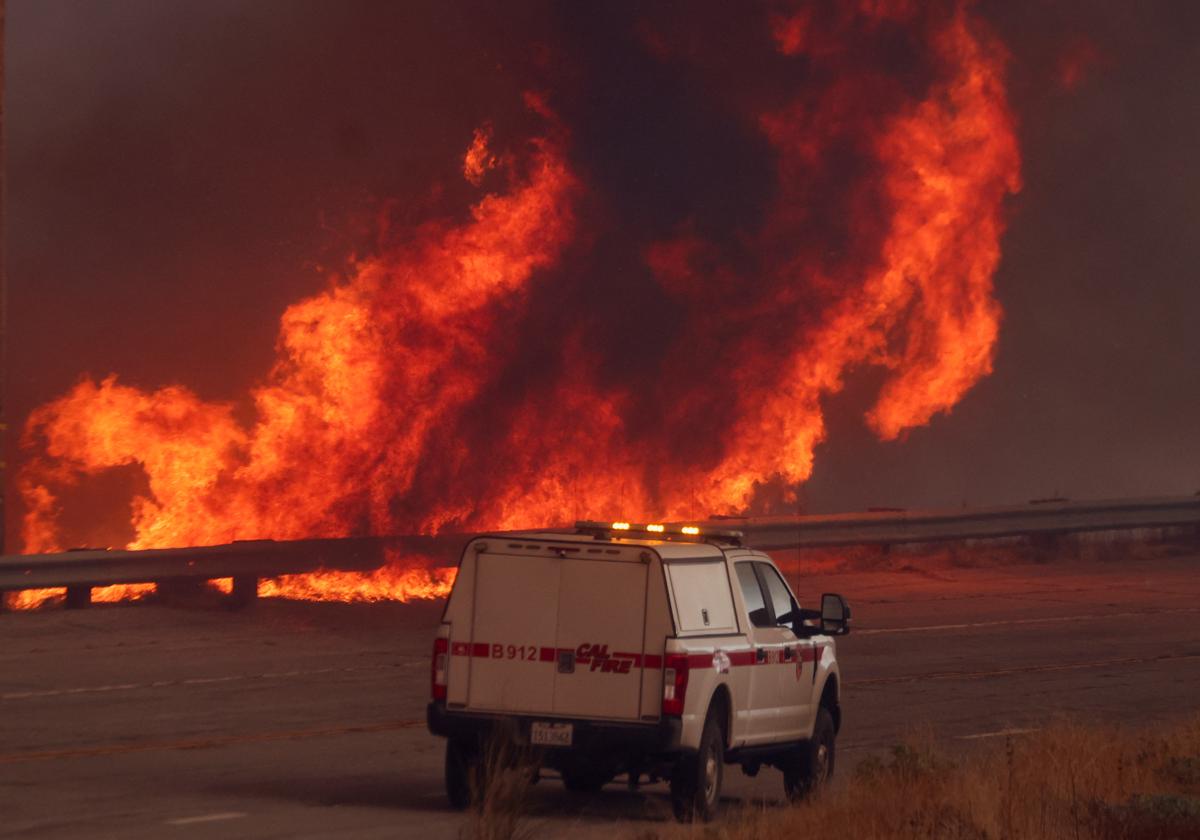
[[598, 658], [721, 662]]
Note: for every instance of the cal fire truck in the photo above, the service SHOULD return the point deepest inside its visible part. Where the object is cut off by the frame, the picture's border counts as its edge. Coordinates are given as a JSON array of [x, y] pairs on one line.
[[657, 651]]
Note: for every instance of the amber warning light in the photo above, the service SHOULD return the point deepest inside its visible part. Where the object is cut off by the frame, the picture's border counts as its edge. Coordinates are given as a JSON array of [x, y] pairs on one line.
[[697, 533]]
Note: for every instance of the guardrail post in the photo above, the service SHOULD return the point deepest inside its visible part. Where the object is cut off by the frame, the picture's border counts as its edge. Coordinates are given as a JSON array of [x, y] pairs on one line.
[[245, 591], [79, 597]]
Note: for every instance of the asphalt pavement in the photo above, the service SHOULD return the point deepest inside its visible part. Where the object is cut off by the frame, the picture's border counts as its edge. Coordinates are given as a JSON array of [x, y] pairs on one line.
[[306, 720]]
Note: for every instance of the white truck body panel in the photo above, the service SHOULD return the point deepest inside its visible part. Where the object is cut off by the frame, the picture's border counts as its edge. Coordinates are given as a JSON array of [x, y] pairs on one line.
[[515, 680], [602, 609], [518, 608]]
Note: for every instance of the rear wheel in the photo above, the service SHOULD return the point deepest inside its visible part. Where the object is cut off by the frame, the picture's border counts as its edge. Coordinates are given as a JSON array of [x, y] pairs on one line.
[[811, 765], [696, 780], [463, 770]]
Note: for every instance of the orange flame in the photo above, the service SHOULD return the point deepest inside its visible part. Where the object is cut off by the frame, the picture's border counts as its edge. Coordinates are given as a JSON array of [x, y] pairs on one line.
[[924, 309], [479, 159], [398, 580], [389, 411], [32, 598]]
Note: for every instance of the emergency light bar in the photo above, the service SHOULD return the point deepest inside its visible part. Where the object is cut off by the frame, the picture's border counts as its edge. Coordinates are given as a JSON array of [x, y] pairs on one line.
[[661, 531]]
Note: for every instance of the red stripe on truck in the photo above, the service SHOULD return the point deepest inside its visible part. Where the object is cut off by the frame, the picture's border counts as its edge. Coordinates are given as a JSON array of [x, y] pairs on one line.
[[654, 661]]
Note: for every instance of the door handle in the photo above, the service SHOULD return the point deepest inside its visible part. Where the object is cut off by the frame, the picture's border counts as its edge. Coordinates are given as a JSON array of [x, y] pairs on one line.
[[760, 654], [789, 653], [566, 662]]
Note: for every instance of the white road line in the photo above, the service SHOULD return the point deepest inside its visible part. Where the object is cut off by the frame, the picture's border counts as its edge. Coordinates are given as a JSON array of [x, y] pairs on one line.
[[118, 687], [1000, 733], [270, 675], [207, 818], [1057, 619]]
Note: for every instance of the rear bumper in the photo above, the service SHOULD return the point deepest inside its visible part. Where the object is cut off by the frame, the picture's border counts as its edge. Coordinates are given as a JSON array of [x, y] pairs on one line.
[[659, 737]]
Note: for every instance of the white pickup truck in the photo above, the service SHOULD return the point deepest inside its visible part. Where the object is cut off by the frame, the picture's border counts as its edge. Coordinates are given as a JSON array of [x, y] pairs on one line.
[[657, 651]]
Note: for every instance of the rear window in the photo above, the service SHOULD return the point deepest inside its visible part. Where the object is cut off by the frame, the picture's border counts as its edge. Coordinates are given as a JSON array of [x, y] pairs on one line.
[[703, 602]]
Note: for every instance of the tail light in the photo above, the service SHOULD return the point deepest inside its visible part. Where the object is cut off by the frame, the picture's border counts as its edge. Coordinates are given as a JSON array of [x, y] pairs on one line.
[[675, 680], [441, 648]]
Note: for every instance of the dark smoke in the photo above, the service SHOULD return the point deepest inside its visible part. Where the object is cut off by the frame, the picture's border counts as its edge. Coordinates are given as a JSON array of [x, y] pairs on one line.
[[180, 172]]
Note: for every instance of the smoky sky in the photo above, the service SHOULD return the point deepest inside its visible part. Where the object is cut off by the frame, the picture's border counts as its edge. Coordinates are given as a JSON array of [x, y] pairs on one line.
[[179, 172]]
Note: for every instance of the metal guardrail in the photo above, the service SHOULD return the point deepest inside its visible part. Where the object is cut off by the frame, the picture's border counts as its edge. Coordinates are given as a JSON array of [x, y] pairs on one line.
[[82, 569], [895, 527], [246, 562]]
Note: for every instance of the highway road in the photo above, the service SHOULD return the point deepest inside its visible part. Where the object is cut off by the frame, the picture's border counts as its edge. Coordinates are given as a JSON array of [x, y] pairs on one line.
[[306, 720]]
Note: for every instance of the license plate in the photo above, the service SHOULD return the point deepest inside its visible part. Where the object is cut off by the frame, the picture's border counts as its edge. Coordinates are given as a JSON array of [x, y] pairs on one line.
[[551, 734]]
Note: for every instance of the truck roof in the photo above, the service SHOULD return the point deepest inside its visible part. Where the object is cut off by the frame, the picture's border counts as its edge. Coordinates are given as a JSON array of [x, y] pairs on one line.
[[666, 549]]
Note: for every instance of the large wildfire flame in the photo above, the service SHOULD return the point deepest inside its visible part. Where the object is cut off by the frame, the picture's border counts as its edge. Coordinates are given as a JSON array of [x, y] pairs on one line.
[[389, 409]]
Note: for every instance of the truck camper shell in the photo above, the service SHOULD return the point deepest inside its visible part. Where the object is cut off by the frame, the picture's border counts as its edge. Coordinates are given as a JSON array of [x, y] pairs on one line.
[[598, 610]]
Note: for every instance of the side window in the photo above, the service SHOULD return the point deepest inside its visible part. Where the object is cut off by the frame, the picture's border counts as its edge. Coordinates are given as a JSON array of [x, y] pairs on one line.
[[781, 598], [756, 607]]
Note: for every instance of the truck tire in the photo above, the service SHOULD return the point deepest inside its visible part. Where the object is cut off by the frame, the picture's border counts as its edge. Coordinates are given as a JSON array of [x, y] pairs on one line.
[[696, 779], [463, 766], [811, 765]]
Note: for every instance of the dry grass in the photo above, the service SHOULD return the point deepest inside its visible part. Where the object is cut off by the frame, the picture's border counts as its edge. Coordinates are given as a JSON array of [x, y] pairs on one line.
[[500, 794], [1068, 781]]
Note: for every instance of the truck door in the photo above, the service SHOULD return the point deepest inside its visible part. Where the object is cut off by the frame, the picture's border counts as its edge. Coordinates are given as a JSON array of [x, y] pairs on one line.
[[600, 638], [516, 613], [790, 660], [762, 704], [778, 690]]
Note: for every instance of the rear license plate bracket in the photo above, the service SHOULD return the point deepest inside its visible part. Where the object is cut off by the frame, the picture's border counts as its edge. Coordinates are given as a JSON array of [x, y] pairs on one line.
[[546, 734]]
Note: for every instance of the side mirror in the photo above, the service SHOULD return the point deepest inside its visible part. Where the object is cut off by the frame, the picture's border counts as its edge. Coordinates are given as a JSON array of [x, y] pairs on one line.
[[835, 615]]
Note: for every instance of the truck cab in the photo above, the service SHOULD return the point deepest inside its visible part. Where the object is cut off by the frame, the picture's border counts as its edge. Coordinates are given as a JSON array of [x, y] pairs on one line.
[[657, 651]]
